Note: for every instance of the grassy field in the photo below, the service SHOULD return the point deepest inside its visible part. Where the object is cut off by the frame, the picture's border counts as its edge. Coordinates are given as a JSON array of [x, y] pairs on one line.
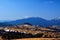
[[38, 39]]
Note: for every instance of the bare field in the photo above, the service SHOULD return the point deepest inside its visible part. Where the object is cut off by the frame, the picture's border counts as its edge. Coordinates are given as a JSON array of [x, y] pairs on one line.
[[38, 39]]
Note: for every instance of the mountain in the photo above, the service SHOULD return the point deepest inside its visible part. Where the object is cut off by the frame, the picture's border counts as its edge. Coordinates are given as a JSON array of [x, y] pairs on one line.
[[32, 20], [5, 24], [55, 21]]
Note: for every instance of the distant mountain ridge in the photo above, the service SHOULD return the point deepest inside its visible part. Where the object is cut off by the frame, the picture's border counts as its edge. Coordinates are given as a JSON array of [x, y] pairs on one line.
[[55, 21], [35, 21], [32, 20]]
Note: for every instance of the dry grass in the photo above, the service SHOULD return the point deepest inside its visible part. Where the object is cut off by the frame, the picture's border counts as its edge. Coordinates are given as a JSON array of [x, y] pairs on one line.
[[1, 38], [38, 39]]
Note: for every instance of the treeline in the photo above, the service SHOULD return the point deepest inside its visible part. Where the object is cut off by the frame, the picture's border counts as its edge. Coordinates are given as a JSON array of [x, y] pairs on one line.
[[17, 35]]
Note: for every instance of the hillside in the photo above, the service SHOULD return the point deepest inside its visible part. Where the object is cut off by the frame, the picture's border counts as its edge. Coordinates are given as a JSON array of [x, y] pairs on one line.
[[2, 24], [36, 21], [28, 31]]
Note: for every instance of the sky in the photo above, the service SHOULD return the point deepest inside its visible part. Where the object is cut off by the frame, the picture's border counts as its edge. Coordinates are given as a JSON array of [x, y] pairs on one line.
[[19, 9]]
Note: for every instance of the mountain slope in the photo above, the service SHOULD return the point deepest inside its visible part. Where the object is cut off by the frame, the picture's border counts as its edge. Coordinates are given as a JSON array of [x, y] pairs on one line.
[[56, 21], [4, 24], [33, 21]]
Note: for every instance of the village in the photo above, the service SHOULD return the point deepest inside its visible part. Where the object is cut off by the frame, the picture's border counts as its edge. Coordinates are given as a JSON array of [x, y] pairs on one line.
[[28, 31]]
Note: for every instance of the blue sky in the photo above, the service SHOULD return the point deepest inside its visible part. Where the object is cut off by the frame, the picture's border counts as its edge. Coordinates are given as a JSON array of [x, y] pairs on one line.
[[18, 9]]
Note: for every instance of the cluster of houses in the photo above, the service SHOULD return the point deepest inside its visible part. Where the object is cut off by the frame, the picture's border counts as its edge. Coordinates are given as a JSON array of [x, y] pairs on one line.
[[11, 29]]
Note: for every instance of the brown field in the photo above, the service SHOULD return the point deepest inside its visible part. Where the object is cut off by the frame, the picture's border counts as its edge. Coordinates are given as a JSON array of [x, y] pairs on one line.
[[38, 39]]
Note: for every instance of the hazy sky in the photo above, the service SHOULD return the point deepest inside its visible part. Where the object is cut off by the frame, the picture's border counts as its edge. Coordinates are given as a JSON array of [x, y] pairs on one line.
[[17, 9]]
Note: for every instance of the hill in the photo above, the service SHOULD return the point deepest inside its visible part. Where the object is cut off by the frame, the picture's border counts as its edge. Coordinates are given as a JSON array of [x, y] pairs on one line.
[[33, 21]]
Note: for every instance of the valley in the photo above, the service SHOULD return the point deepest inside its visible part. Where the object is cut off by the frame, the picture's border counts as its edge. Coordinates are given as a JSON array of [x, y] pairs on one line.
[[36, 30]]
